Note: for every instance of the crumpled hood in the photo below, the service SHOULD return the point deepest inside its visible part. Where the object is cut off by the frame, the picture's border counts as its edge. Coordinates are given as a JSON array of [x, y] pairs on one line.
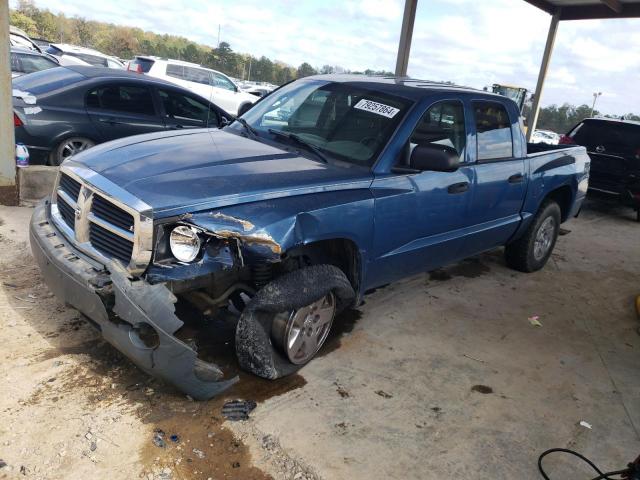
[[181, 172]]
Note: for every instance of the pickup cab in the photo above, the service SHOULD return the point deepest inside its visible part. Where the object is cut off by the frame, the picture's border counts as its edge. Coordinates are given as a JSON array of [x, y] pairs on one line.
[[326, 188]]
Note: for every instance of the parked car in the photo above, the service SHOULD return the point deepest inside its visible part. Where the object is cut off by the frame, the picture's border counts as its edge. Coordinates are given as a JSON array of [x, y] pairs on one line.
[[62, 111], [210, 84], [614, 148], [19, 38], [545, 136], [368, 180], [74, 55], [24, 60]]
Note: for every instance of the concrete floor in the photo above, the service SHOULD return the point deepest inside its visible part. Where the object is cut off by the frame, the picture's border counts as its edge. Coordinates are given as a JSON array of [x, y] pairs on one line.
[[439, 376]]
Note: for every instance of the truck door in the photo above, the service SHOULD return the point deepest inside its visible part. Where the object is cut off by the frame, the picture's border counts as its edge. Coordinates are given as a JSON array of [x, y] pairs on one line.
[[500, 178], [420, 216]]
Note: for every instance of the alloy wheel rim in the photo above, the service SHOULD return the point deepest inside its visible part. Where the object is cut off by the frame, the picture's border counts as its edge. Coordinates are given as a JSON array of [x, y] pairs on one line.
[[544, 238], [307, 329], [72, 147]]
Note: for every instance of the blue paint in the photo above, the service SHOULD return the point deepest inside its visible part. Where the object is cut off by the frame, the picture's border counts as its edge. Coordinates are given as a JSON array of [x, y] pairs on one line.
[[401, 223]]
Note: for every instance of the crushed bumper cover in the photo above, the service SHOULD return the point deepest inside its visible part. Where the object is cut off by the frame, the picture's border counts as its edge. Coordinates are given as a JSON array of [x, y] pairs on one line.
[[121, 309]]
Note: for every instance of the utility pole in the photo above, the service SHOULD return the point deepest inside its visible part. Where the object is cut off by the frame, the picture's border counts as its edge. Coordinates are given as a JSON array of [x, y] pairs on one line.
[[218, 35], [249, 74], [595, 97], [8, 187]]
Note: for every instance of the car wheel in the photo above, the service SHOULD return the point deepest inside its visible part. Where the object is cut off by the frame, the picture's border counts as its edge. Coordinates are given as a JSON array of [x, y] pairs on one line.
[[301, 333], [286, 323], [68, 147], [531, 251]]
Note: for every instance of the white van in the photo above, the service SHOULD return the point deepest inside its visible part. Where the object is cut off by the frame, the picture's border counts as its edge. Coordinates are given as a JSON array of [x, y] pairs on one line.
[[209, 84]]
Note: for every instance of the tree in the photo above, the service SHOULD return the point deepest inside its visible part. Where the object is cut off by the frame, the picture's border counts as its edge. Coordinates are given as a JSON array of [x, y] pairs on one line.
[[84, 31], [22, 21], [305, 70]]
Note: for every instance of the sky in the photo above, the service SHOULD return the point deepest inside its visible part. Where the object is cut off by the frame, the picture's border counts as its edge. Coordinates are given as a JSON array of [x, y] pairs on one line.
[[469, 42]]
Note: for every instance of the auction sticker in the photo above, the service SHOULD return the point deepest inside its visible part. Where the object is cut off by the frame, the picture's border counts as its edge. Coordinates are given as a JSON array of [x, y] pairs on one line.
[[377, 108]]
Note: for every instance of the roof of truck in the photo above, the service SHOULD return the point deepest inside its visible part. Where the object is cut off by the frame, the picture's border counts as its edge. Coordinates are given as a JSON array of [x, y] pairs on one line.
[[413, 88]]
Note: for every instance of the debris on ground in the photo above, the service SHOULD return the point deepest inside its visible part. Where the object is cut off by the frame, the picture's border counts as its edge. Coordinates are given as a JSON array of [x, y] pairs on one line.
[[343, 392], [158, 438], [585, 424], [235, 410], [198, 453], [2, 463], [383, 394], [482, 389], [174, 438], [535, 321]]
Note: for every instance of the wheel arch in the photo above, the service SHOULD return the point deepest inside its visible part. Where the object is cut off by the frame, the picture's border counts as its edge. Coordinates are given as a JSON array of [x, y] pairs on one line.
[[341, 252], [563, 196]]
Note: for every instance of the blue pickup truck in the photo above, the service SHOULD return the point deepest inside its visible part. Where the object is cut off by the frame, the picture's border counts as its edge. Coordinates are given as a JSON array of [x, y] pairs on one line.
[[327, 188]]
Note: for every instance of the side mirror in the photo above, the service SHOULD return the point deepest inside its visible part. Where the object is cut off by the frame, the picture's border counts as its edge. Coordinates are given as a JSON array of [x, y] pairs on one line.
[[436, 158]]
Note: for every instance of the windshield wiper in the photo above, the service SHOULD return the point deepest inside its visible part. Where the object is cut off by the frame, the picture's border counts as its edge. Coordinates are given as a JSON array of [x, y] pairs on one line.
[[252, 131], [309, 146]]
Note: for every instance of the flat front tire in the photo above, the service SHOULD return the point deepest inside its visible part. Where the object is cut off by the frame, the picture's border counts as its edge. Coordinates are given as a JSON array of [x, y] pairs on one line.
[[285, 324], [532, 251]]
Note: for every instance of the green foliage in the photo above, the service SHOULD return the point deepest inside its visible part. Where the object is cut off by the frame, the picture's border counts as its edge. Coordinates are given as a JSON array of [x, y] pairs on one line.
[[126, 42]]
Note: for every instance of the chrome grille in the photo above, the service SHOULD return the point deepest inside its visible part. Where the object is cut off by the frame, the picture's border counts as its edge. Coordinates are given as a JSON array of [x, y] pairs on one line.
[[101, 219], [66, 212], [110, 244], [70, 186], [108, 212]]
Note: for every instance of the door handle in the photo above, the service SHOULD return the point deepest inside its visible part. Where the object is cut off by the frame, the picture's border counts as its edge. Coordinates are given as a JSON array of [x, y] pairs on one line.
[[517, 178], [458, 187], [110, 121]]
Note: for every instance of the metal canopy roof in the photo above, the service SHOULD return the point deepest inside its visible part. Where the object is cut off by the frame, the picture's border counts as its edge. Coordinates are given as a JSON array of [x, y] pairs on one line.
[[589, 9]]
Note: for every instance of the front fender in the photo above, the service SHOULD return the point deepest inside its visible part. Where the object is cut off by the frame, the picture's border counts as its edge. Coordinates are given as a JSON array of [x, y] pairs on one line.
[[267, 229]]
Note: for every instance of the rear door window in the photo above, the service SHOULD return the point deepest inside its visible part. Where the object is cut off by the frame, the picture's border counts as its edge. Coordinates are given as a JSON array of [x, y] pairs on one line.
[[175, 71], [224, 82], [122, 98], [493, 131], [179, 107]]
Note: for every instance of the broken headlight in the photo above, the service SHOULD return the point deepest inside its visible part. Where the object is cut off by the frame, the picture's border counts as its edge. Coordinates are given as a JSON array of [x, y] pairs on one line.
[[185, 243]]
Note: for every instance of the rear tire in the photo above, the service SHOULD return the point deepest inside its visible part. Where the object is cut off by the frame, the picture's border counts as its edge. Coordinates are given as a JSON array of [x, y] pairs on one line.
[[68, 147], [532, 250]]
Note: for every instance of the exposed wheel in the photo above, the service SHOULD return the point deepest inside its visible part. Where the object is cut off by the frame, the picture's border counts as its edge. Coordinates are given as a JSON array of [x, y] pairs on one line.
[[531, 251], [285, 324], [68, 147], [302, 332]]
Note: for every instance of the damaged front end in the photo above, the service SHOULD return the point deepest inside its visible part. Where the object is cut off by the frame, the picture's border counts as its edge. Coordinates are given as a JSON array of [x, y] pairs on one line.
[[134, 315]]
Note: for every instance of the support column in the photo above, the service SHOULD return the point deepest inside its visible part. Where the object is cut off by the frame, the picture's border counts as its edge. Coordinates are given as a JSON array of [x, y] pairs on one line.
[[8, 187], [406, 34], [542, 76]]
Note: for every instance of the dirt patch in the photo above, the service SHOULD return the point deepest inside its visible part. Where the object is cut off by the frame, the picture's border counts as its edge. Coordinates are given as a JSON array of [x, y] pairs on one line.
[[469, 268], [485, 390]]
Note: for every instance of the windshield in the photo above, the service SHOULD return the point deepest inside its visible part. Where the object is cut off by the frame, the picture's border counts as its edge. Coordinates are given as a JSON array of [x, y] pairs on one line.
[[343, 121]]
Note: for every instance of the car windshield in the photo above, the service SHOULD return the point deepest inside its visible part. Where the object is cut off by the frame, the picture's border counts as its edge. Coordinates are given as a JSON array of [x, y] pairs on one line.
[[343, 121]]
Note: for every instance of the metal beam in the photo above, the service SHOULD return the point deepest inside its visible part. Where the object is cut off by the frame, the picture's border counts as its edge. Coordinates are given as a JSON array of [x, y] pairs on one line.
[[542, 76], [404, 47], [543, 5], [8, 187], [615, 5]]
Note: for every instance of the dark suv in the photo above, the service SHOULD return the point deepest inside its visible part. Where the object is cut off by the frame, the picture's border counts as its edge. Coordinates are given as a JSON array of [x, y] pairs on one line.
[[614, 148]]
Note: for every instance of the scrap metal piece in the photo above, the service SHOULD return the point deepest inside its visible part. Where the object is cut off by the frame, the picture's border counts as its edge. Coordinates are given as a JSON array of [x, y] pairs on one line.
[[141, 305], [235, 410]]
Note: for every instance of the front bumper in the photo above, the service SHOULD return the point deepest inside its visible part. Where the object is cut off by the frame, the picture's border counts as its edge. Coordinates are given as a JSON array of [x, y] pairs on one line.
[[121, 309]]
